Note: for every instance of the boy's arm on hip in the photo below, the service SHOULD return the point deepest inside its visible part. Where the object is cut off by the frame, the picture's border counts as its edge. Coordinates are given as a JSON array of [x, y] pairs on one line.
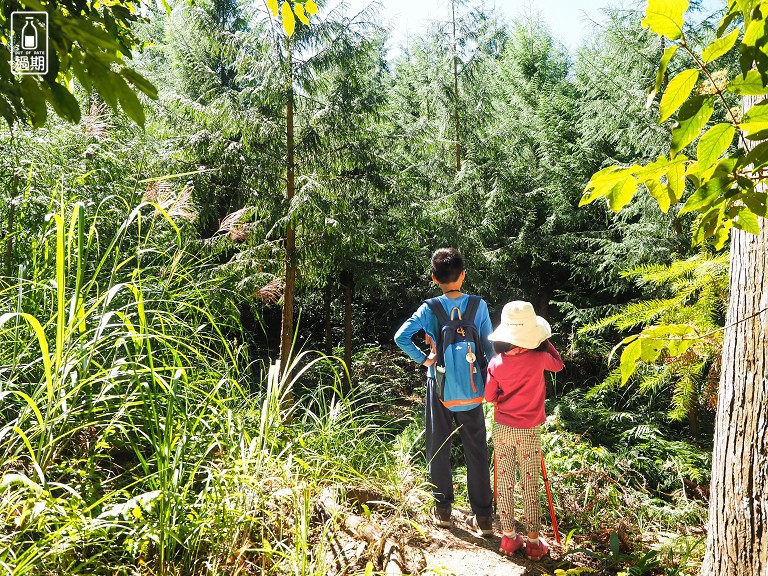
[[406, 332]]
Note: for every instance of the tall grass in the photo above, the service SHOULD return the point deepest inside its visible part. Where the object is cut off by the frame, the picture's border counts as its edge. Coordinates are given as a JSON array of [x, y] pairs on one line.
[[134, 436]]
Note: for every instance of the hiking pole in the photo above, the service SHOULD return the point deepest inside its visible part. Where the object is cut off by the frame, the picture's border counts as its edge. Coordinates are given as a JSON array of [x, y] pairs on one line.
[[549, 497]]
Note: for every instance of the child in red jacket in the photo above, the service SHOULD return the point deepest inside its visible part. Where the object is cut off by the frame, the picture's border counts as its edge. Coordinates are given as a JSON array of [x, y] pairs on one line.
[[516, 385]]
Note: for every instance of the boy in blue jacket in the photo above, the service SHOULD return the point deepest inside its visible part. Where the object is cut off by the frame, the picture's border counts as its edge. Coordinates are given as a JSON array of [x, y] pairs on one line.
[[448, 273]]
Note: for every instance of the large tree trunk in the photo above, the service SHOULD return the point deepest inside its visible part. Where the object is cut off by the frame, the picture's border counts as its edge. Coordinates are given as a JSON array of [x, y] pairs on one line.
[[286, 328], [737, 542]]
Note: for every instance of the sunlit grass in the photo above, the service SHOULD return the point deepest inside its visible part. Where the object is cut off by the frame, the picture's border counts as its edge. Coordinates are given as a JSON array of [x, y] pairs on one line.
[[135, 438]]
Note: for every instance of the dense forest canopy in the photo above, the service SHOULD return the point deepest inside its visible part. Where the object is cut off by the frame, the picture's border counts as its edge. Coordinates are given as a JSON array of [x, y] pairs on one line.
[[193, 172]]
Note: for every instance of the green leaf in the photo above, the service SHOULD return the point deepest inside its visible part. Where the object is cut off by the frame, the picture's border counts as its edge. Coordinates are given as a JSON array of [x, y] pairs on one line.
[[677, 92], [729, 17], [705, 226], [756, 119], [665, 59], [128, 100], [140, 82], [720, 46], [629, 358], [102, 79], [704, 197], [672, 173], [622, 193], [715, 141], [607, 182], [750, 84], [34, 99], [753, 33], [747, 220], [676, 180], [693, 116], [665, 17], [756, 202], [64, 103]]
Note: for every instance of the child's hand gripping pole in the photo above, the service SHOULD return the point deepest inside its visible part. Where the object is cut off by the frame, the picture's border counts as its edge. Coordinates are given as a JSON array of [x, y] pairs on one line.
[[549, 497]]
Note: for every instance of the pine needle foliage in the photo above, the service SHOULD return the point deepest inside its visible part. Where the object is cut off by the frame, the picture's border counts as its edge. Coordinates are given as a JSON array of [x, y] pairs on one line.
[[691, 292]]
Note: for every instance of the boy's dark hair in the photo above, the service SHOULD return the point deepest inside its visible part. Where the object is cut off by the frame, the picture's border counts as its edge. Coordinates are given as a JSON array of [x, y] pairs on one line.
[[501, 347], [447, 265]]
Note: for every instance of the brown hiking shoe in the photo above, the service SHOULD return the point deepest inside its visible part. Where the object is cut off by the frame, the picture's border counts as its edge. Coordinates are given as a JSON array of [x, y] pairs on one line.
[[481, 525], [441, 516]]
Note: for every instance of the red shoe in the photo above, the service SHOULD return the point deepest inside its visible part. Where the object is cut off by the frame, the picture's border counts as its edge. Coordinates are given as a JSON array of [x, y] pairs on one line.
[[511, 545], [536, 550]]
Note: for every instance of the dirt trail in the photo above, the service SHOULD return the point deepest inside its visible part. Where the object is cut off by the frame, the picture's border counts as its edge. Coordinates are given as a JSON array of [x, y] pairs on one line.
[[457, 551]]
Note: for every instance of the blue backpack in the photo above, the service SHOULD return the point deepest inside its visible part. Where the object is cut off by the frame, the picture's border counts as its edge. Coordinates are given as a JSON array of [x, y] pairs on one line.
[[460, 365]]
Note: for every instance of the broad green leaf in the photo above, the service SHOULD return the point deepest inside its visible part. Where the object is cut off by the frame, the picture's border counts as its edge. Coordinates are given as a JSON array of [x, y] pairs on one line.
[[753, 33], [747, 220], [715, 141], [140, 82], [629, 358], [272, 5], [703, 198], [675, 180], [757, 157], [665, 17], [601, 184], [650, 348], [311, 7], [756, 119], [705, 226], [618, 185], [128, 100], [622, 193], [756, 202], [64, 103], [749, 85], [729, 17], [665, 59], [677, 92], [81, 74], [694, 115], [722, 232], [34, 99], [299, 9], [720, 46], [102, 79], [289, 22], [665, 179]]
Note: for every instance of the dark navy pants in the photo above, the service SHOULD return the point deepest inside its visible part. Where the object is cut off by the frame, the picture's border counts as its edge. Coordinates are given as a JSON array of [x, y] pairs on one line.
[[439, 425]]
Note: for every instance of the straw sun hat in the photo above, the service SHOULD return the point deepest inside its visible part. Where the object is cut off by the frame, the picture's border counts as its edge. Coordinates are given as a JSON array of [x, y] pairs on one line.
[[520, 326]]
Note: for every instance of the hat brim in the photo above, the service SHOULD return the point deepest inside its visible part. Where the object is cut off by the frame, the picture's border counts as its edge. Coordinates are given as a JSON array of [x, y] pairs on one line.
[[524, 336]]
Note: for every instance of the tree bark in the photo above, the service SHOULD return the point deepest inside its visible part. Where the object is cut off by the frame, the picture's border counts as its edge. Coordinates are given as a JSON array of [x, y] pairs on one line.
[[327, 301], [737, 541], [348, 282], [286, 328], [456, 89]]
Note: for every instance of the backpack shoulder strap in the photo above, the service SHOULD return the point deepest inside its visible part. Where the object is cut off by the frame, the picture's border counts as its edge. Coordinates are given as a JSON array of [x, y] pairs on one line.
[[438, 310], [472, 306]]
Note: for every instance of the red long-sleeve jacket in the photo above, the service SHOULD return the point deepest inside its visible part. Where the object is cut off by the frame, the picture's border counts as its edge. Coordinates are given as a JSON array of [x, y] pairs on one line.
[[516, 384]]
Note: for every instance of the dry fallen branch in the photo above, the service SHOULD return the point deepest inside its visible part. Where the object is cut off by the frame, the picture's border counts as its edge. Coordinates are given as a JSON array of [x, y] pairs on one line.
[[389, 550]]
